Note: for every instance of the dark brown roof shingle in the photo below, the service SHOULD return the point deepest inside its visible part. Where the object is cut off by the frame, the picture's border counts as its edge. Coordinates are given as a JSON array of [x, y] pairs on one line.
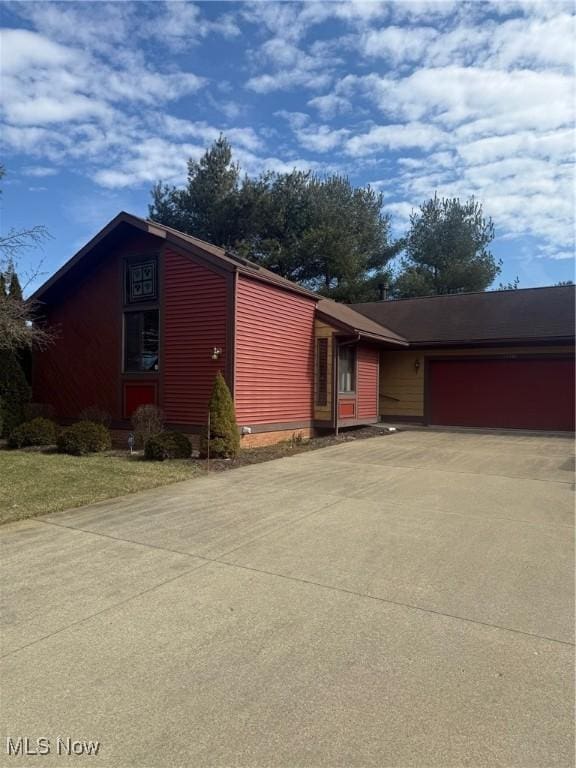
[[356, 323], [529, 314]]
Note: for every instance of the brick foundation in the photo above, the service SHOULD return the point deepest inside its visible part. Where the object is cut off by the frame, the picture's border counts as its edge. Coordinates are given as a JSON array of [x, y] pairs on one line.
[[255, 440], [259, 439]]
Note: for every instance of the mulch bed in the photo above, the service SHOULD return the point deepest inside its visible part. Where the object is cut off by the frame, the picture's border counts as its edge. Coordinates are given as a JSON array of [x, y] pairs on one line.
[[291, 448], [249, 455]]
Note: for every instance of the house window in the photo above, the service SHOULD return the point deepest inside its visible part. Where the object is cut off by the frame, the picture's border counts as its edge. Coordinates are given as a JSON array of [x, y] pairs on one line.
[[321, 372], [141, 341], [347, 369], [141, 281]]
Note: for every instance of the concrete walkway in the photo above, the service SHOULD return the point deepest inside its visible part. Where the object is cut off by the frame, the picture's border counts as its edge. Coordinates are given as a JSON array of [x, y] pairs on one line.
[[402, 601]]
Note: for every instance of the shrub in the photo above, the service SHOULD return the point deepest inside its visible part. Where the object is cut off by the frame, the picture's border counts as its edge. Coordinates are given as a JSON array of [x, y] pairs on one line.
[[84, 437], [224, 438], [14, 391], [38, 431], [147, 420], [167, 445], [97, 415], [34, 410]]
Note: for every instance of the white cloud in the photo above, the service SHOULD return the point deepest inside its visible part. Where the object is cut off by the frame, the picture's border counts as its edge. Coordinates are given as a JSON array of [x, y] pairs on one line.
[[514, 43], [180, 24], [176, 127], [39, 171], [291, 67], [398, 136], [459, 97], [454, 94], [104, 26], [398, 44], [148, 161], [330, 105], [23, 49], [47, 83], [313, 137], [557, 145]]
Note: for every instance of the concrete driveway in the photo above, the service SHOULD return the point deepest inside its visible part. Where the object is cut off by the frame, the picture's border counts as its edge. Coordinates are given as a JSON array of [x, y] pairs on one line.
[[402, 601]]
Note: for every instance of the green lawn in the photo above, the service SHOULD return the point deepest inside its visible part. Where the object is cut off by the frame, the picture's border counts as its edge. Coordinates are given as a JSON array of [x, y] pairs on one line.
[[33, 483]]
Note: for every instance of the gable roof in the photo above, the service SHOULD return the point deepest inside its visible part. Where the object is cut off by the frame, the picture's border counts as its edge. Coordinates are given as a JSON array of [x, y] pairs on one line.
[[348, 319], [123, 220], [528, 314]]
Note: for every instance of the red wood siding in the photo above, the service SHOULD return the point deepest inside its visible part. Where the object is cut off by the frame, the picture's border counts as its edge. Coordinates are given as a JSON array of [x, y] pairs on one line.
[[515, 394], [194, 322], [274, 354], [367, 382], [82, 367]]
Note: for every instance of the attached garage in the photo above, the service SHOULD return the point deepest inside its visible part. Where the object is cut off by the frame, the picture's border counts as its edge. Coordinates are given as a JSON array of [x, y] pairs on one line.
[[516, 393], [497, 359]]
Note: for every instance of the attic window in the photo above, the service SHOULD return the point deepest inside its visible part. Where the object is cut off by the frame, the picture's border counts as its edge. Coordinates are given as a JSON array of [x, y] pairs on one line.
[[141, 281]]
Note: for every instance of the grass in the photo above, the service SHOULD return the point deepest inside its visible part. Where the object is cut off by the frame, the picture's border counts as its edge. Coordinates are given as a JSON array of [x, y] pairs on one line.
[[35, 483]]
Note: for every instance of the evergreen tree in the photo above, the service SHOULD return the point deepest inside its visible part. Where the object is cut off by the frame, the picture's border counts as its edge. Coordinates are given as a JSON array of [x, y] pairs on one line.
[[15, 290], [204, 207], [14, 391], [446, 250], [223, 439], [321, 232]]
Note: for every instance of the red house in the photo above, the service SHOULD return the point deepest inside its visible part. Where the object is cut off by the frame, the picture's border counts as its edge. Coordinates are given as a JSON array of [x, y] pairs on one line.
[[147, 314]]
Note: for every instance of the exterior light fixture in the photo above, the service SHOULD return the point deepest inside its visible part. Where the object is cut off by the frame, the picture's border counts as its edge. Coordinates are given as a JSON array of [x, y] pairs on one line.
[[417, 364], [216, 352]]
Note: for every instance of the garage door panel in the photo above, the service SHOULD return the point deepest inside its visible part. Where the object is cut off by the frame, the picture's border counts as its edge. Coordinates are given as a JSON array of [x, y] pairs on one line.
[[517, 394]]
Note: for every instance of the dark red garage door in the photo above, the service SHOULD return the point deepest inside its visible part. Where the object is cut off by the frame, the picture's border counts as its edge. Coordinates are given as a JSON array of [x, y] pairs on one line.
[[512, 393]]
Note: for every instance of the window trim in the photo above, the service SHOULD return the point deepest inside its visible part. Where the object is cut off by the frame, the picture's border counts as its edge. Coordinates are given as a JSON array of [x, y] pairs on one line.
[[321, 399], [132, 310], [135, 261], [141, 305]]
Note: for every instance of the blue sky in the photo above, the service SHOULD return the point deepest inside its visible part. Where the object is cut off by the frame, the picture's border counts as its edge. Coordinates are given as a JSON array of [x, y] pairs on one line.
[[99, 100]]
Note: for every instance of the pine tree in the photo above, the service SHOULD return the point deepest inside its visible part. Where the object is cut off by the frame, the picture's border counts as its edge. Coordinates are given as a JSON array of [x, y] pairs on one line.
[[322, 232], [14, 391], [15, 290], [447, 250], [223, 441], [204, 207]]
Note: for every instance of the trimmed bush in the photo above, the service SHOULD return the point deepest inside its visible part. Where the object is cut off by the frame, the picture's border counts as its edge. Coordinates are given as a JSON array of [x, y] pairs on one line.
[[224, 438], [14, 391], [84, 437], [38, 431], [97, 415], [167, 445], [147, 420]]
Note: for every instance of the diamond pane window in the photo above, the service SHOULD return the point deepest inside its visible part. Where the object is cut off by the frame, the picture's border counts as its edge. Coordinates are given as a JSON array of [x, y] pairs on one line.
[[141, 283]]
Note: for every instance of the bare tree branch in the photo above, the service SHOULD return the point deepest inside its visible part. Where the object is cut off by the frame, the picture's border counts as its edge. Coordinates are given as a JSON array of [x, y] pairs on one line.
[[18, 329]]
